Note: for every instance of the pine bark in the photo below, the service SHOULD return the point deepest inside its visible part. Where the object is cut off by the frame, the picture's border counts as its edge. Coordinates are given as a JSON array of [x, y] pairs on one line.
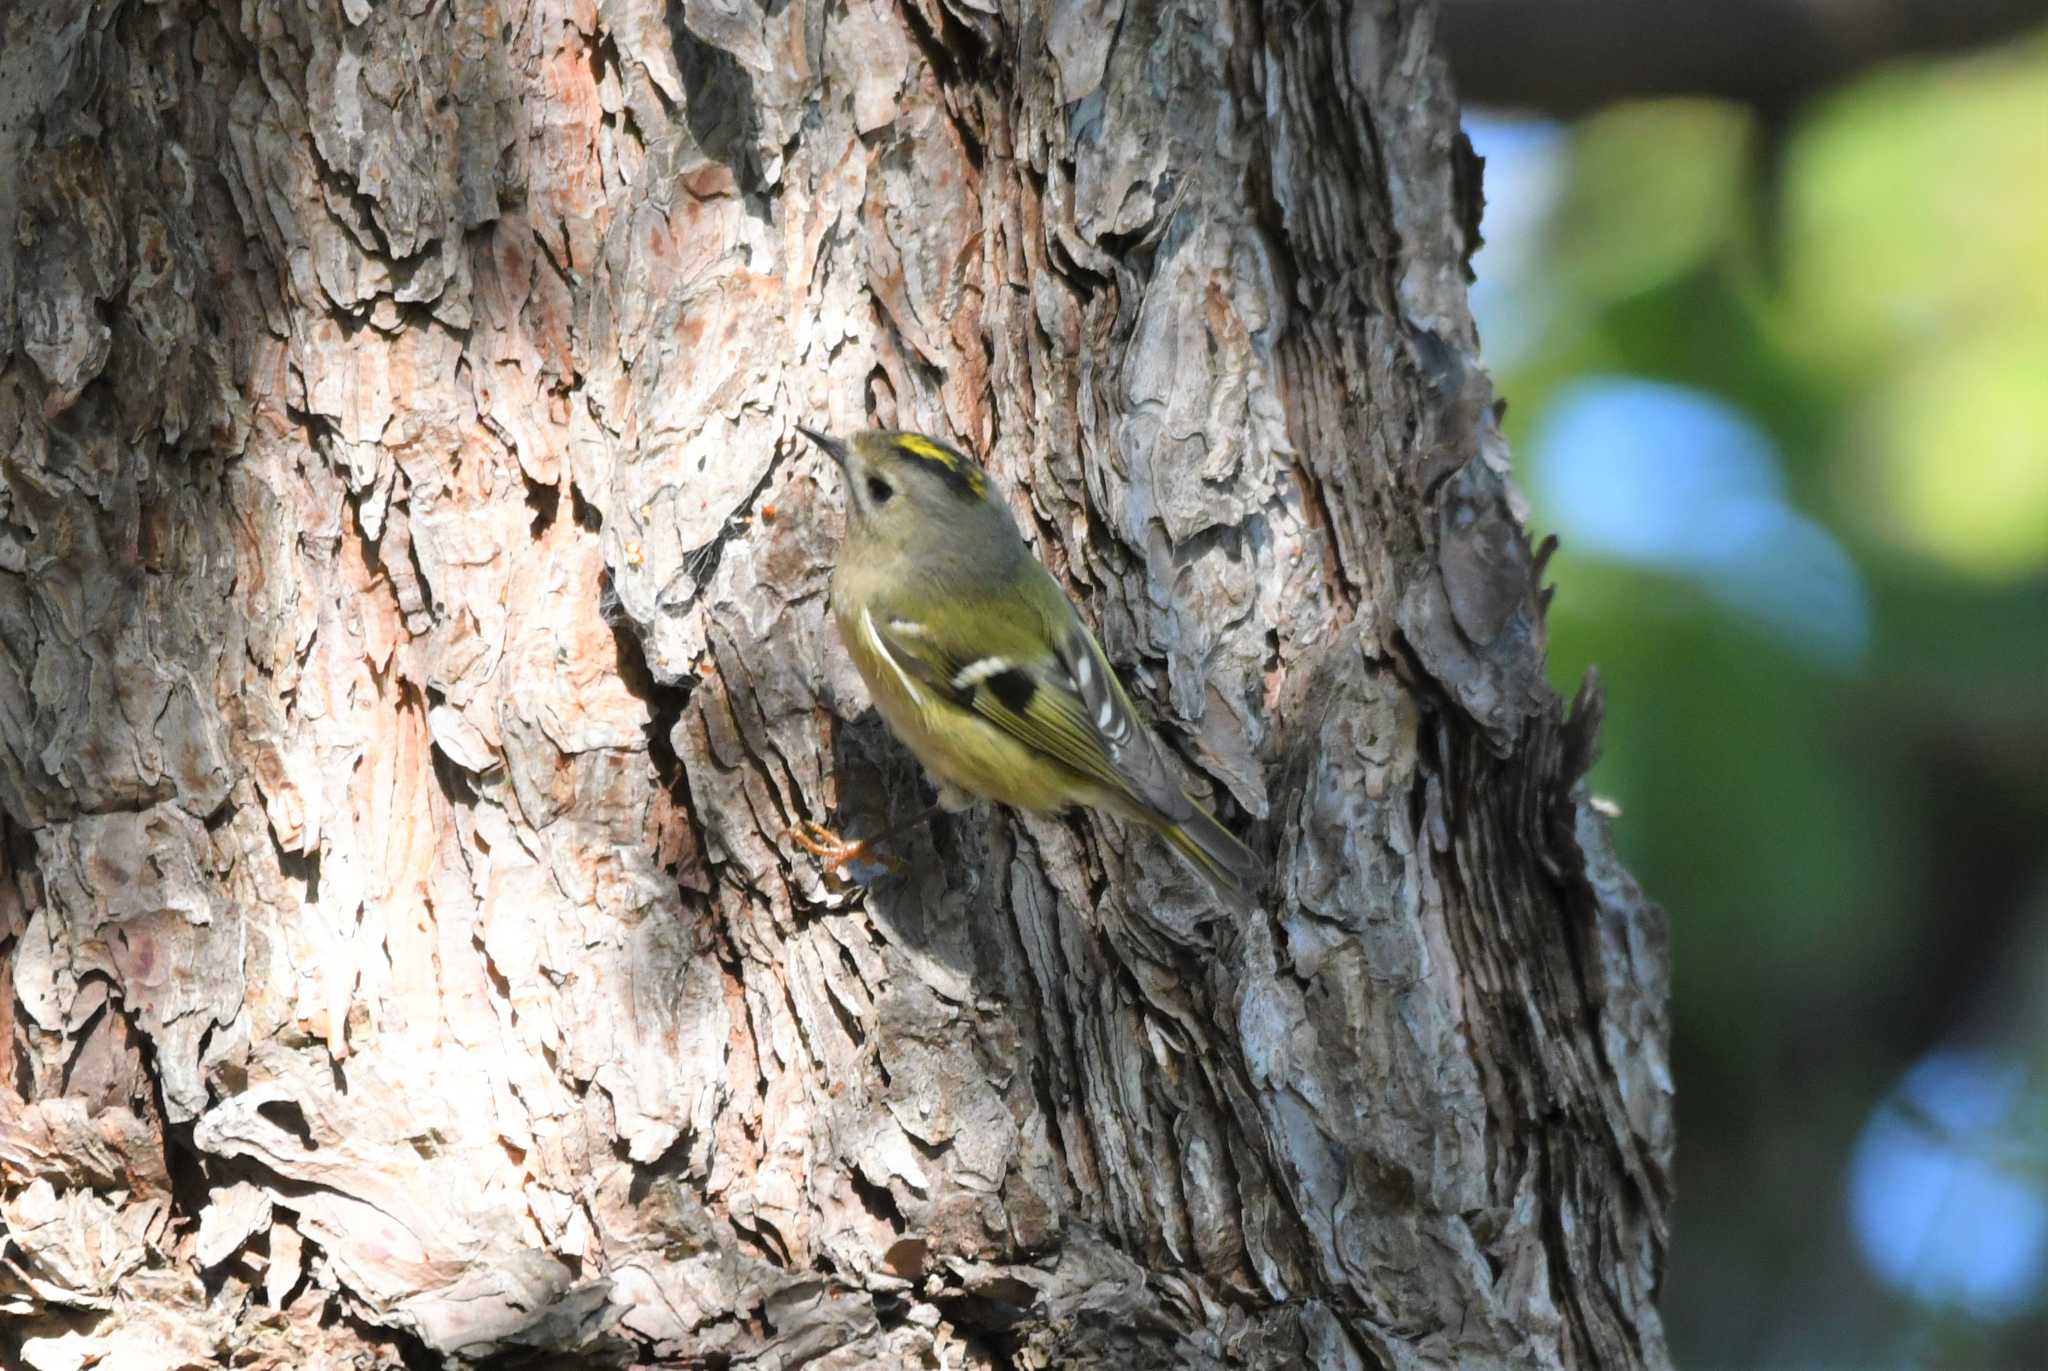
[[413, 649]]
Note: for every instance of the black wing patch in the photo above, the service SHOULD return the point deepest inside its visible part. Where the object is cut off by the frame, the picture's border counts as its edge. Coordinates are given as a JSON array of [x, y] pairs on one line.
[[1013, 688]]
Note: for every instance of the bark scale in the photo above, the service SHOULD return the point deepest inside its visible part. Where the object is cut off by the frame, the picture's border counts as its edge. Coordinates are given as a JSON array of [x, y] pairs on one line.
[[415, 646]]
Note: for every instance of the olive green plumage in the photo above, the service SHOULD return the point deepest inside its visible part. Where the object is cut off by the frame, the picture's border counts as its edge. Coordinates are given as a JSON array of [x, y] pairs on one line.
[[978, 662]]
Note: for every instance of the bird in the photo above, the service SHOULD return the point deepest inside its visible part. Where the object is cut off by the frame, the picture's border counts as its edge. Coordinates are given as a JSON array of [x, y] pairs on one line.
[[981, 666]]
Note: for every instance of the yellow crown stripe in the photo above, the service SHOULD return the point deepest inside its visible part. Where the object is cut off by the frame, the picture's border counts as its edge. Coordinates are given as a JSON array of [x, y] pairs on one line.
[[919, 446]]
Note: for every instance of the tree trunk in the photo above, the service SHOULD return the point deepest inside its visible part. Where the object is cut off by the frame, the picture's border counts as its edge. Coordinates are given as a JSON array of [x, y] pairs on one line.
[[415, 647]]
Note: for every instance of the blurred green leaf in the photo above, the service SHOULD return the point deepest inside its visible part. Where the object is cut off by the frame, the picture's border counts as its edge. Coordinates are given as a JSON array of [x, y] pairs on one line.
[[1961, 440], [1653, 190], [1916, 209]]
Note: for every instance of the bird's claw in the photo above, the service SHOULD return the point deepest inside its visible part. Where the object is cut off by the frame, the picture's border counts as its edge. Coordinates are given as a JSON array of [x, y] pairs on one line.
[[831, 849], [822, 843]]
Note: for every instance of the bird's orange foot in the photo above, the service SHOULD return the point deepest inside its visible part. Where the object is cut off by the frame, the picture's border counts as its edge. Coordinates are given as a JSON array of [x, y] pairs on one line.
[[831, 849]]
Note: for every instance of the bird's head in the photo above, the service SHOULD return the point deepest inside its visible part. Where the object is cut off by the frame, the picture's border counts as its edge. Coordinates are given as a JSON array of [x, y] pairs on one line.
[[903, 487]]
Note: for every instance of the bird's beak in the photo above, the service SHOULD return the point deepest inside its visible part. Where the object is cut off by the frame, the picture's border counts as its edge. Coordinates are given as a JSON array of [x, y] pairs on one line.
[[834, 448]]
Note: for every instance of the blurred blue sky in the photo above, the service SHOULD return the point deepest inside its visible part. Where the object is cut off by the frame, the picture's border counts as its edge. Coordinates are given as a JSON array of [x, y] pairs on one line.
[[1670, 477], [1944, 1190]]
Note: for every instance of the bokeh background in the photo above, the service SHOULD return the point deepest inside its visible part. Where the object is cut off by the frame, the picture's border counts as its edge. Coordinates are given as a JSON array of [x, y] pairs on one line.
[[1775, 348]]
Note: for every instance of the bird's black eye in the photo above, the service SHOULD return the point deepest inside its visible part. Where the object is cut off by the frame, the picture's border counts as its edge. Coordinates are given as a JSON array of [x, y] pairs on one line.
[[879, 490]]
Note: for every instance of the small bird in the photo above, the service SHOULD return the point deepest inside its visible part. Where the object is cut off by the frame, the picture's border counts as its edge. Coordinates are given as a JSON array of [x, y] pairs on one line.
[[979, 663]]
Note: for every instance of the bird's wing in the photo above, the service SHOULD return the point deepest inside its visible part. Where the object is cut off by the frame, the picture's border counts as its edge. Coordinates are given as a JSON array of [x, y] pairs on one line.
[[1053, 691]]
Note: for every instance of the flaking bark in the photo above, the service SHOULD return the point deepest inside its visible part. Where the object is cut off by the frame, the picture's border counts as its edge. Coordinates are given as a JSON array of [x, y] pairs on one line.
[[415, 648]]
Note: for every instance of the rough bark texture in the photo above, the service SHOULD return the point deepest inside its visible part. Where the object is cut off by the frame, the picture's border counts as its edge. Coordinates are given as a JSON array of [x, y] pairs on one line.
[[415, 647]]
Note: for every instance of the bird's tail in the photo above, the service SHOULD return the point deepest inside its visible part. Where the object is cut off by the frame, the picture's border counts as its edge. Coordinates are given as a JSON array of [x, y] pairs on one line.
[[1226, 863]]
